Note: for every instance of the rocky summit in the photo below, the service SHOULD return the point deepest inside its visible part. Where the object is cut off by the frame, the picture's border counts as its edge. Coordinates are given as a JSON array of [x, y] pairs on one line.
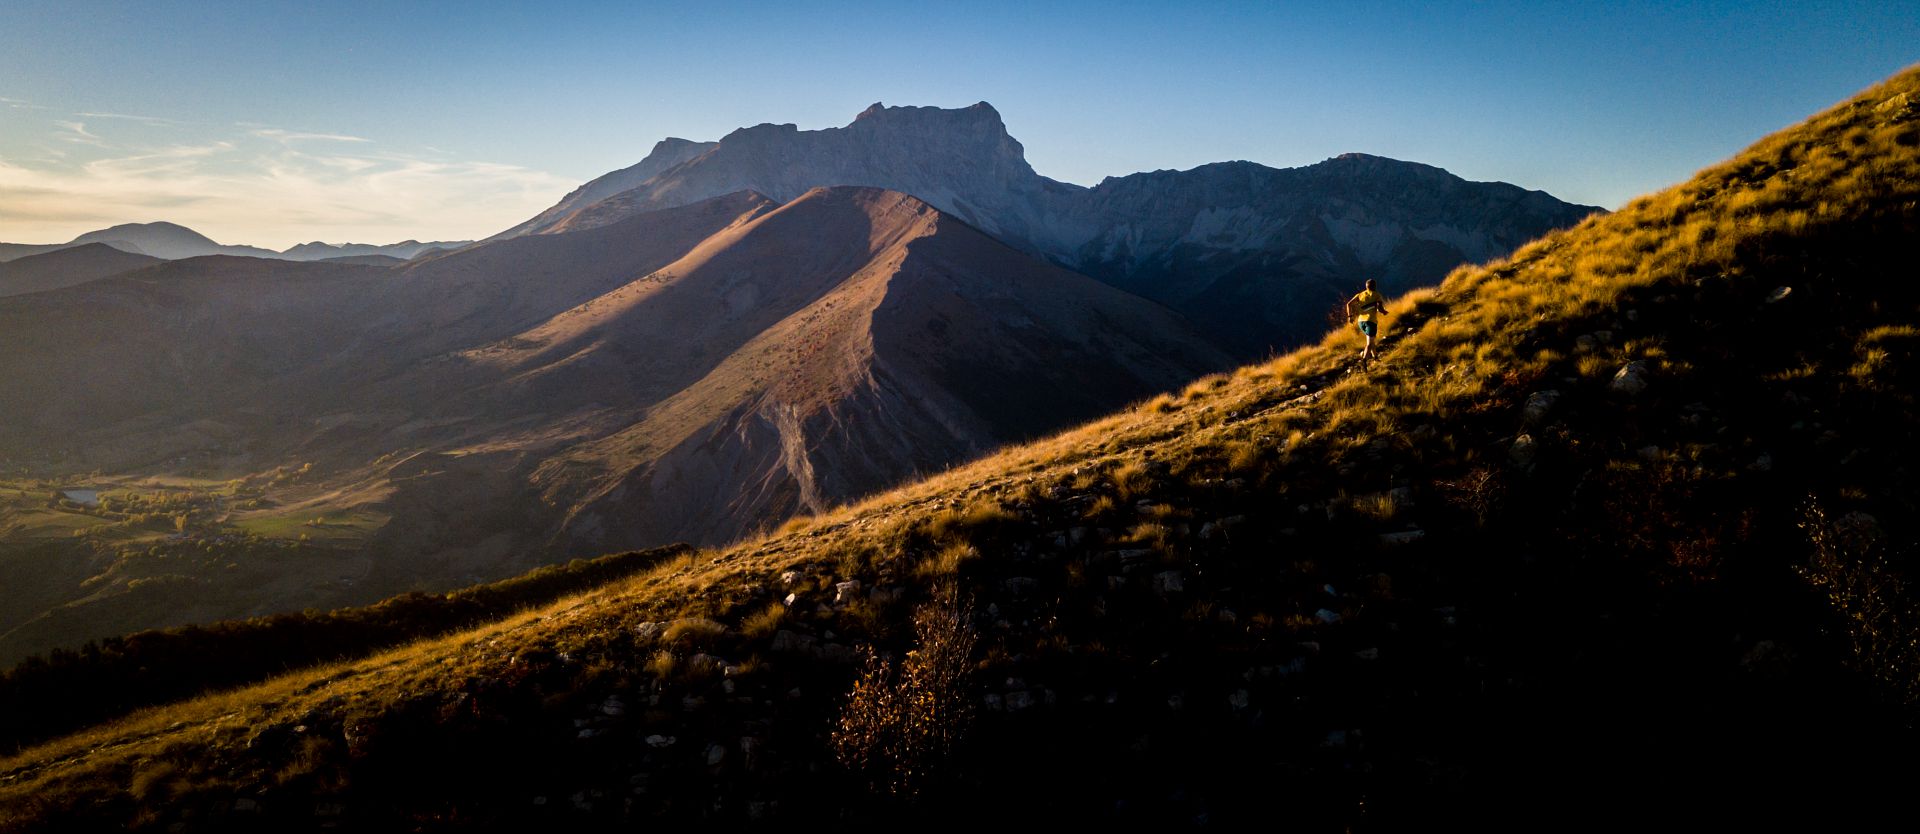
[[1257, 255]]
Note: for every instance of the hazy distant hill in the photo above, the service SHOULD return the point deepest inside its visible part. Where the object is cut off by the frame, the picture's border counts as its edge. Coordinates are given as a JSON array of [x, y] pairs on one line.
[[168, 240], [404, 250], [1256, 254], [67, 267], [171, 241]]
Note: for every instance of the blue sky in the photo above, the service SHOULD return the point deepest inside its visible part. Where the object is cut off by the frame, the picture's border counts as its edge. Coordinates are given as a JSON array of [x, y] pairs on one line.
[[275, 123]]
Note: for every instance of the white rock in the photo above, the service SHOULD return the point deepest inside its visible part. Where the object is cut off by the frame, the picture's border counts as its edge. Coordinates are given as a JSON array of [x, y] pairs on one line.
[[1630, 380]]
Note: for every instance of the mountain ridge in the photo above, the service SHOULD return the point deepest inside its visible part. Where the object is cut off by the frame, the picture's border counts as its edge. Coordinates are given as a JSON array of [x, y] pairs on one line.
[[1258, 254]]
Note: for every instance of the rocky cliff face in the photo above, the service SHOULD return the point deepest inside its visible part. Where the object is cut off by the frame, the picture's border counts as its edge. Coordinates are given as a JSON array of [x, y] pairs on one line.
[[1257, 254], [961, 161], [1263, 255]]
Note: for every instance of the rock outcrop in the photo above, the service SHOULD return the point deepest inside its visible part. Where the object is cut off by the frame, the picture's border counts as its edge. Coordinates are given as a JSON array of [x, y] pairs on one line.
[[1258, 255]]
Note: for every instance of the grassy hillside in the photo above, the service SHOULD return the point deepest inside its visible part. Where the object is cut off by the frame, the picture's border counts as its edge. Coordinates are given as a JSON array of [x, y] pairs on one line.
[[49, 695], [1614, 535]]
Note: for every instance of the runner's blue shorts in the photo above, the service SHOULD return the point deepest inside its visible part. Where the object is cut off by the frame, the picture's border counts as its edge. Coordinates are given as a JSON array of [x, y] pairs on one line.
[[1366, 328]]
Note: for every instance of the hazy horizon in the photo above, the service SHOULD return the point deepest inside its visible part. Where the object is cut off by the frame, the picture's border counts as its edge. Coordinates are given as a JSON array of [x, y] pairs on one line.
[[278, 126]]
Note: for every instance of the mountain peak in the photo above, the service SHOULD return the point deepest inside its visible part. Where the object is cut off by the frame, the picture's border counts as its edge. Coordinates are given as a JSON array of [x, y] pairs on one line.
[[158, 228], [978, 112]]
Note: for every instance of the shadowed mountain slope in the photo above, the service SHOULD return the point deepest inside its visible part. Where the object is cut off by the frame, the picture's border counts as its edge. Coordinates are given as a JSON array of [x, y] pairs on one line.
[[692, 373], [1617, 531], [67, 267]]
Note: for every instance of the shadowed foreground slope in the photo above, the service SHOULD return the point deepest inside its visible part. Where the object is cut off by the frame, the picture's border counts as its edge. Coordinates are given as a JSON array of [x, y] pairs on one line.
[[1542, 567]]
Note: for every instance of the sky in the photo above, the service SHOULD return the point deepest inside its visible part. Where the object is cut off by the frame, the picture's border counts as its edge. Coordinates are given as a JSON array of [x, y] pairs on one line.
[[270, 123]]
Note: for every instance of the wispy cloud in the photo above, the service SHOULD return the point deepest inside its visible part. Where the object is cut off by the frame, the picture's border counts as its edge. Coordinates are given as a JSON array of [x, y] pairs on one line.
[[258, 184], [151, 120], [20, 104], [77, 133], [295, 136]]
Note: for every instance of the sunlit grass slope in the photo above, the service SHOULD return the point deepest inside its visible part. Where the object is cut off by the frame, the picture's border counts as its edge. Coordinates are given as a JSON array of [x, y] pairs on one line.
[[1550, 564]]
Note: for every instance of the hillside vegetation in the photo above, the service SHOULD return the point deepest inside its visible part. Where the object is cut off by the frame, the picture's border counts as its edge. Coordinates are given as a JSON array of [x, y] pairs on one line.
[[1614, 535]]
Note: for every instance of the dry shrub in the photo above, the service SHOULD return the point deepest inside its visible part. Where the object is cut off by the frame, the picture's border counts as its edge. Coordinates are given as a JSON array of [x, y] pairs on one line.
[[1850, 565], [1477, 493], [763, 623], [948, 562], [1131, 481], [900, 724], [691, 632]]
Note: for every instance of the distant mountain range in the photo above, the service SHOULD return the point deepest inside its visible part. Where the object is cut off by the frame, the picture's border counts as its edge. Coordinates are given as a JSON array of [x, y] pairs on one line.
[[170, 241], [708, 342], [1257, 255]]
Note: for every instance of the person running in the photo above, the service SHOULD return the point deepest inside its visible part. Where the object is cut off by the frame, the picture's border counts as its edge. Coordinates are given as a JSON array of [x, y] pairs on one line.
[[1368, 304]]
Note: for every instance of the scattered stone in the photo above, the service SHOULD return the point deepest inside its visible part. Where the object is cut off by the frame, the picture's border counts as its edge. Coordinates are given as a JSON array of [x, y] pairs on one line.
[[245, 805], [1239, 699], [591, 732], [994, 702], [716, 753], [1019, 700], [1327, 615], [660, 742], [613, 706], [1763, 463], [1021, 586], [788, 578], [786, 640], [1539, 405], [1779, 294], [845, 592], [1368, 654], [1585, 344], [1401, 496], [791, 599], [1167, 582], [1630, 380], [1402, 537], [1524, 451]]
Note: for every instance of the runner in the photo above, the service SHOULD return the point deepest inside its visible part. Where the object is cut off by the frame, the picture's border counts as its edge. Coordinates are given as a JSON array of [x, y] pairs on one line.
[[1369, 304]]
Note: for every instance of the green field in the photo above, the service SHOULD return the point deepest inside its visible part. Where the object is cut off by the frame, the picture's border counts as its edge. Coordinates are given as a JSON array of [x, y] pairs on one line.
[[329, 527]]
